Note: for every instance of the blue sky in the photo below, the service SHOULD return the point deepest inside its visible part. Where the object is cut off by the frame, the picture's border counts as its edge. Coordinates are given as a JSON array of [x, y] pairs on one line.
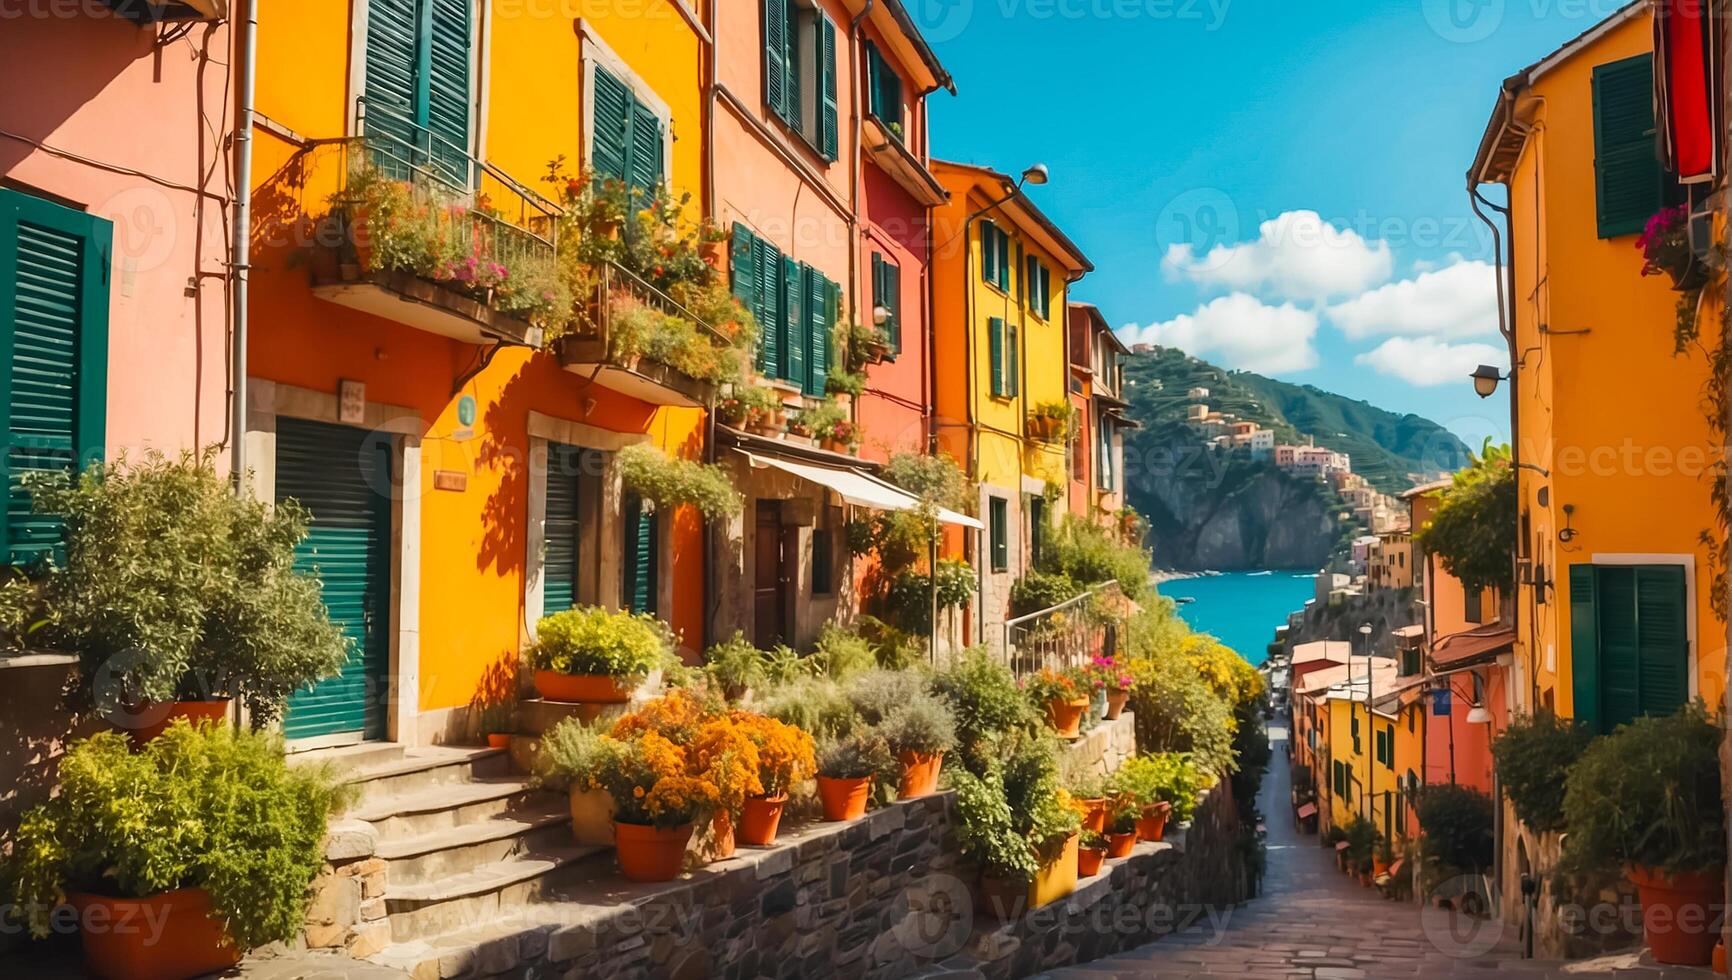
[[1173, 127]]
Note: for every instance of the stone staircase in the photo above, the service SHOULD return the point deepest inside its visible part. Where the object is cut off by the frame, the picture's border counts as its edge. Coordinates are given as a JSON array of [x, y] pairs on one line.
[[440, 841]]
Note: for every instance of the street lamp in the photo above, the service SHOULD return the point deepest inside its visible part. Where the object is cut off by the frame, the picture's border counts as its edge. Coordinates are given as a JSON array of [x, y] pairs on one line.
[[1479, 715], [1485, 380], [1035, 175]]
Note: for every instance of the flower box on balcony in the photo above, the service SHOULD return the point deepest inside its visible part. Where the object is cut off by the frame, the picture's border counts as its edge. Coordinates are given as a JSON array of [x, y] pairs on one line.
[[636, 376], [426, 305]]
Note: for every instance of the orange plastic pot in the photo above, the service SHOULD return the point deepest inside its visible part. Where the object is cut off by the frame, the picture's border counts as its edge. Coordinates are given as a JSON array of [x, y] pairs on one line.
[[155, 718], [1089, 860], [1116, 703], [1120, 845], [844, 799], [919, 773], [649, 854], [1678, 914], [759, 820], [722, 836], [1152, 825], [1066, 716], [1095, 814], [169, 936], [583, 688]]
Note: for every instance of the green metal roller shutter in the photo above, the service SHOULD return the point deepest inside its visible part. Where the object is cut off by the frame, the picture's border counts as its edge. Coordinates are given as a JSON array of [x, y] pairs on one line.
[[54, 358], [641, 553], [560, 528], [343, 478]]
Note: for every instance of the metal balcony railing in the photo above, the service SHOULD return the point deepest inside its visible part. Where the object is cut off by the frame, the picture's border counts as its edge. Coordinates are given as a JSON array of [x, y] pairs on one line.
[[1067, 635], [481, 221], [616, 289]]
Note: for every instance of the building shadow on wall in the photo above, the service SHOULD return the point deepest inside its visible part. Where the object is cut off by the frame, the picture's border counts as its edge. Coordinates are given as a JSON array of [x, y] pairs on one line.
[[506, 512]]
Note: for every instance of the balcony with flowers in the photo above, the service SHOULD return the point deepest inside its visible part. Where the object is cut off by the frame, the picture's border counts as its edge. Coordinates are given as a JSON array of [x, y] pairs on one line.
[[652, 315], [421, 233]]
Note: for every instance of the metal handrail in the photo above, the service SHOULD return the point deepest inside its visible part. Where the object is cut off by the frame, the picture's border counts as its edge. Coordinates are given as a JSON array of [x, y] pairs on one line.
[[542, 204], [595, 320], [1069, 649]]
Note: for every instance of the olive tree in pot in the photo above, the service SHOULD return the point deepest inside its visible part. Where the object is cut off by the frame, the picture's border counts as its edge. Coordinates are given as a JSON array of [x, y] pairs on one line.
[[176, 594], [205, 836], [1646, 799]]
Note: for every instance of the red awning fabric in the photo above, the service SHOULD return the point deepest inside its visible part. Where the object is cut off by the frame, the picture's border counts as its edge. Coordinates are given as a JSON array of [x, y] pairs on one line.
[[1686, 76], [1472, 646], [1307, 811]]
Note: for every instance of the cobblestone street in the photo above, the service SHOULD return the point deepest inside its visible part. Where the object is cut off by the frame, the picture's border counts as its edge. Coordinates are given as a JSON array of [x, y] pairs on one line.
[[1313, 922]]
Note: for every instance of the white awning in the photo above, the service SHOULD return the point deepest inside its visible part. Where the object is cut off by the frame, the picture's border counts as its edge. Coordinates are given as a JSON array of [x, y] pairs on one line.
[[857, 488]]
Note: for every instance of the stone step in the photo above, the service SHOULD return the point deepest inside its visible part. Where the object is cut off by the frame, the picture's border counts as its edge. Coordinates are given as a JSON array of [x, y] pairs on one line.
[[443, 807], [540, 824], [432, 766], [536, 716], [493, 892], [359, 756]]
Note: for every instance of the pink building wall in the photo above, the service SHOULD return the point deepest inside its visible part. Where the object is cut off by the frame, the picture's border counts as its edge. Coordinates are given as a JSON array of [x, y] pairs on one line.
[[95, 87], [892, 410], [1455, 748]]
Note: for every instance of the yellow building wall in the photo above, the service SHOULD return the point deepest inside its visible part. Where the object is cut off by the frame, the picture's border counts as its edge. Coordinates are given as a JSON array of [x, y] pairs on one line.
[[1337, 734], [1606, 406]]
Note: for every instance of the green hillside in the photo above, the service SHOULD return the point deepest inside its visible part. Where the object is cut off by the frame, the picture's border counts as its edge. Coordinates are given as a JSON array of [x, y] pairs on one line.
[[1387, 448]]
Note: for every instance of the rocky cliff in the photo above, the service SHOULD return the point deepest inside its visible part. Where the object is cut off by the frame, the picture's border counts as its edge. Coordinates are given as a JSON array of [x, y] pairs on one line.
[[1246, 516]]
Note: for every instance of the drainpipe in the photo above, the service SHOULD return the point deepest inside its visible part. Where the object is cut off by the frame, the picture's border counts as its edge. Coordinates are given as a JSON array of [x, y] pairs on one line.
[[711, 601], [241, 249]]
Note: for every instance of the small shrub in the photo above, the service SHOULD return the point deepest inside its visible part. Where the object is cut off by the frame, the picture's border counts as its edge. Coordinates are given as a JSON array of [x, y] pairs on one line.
[[670, 482], [572, 754], [1648, 795], [1362, 838], [862, 754], [1457, 822], [198, 806], [920, 724], [1038, 590], [1533, 756], [840, 654], [877, 694], [1167, 777], [591, 640], [987, 704], [735, 666], [1092, 555], [986, 828], [815, 705]]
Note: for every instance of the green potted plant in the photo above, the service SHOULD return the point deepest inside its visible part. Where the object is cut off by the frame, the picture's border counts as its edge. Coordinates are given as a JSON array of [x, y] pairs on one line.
[[1362, 839], [572, 755], [1050, 421], [1063, 694], [1646, 799], [1091, 793], [1122, 815], [735, 666], [204, 832], [919, 731], [178, 595], [1091, 853], [589, 655], [673, 481], [1019, 826], [1165, 785], [1533, 757], [988, 706], [731, 411], [846, 769]]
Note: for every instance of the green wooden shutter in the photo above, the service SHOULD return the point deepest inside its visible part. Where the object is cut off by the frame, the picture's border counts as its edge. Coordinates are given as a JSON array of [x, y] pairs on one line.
[[828, 135], [989, 252], [893, 302], [1629, 182], [448, 105], [741, 269], [611, 128], [995, 350], [884, 88], [795, 327], [560, 528], [638, 593], [1012, 361], [767, 265], [1620, 648], [1662, 638], [342, 476], [54, 264], [646, 151], [999, 524], [776, 56], [820, 316]]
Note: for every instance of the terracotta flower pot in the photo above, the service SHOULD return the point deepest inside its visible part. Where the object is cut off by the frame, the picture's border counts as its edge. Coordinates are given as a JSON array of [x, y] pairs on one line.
[[1152, 825], [1095, 816], [1121, 845], [1089, 860], [581, 688], [759, 820], [153, 719], [919, 773], [1116, 703], [844, 799], [164, 937], [648, 854], [592, 817], [1066, 716], [1719, 965], [722, 836], [1678, 913], [1379, 867], [499, 740]]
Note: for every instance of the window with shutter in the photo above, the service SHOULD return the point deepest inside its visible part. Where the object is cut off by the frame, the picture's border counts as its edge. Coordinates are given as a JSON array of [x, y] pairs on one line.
[[796, 328], [1629, 181], [887, 294], [995, 350], [883, 89], [419, 84], [820, 319], [1012, 360], [828, 135], [989, 252], [54, 265], [560, 526], [638, 592], [1629, 642], [999, 524], [767, 263], [776, 51]]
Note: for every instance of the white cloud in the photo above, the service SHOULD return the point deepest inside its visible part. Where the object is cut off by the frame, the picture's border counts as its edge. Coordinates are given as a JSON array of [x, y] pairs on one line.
[[1296, 256], [1238, 331], [1454, 302], [1428, 361]]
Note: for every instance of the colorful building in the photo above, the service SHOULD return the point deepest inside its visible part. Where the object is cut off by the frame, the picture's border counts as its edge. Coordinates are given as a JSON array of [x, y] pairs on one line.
[[113, 260], [1001, 276], [462, 479], [1098, 403]]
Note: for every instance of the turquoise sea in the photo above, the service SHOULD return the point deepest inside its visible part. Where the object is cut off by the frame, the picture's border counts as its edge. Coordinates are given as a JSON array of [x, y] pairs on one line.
[[1241, 609]]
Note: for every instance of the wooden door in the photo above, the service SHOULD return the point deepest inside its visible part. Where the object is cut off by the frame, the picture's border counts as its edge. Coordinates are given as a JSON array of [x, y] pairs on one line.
[[769, 592]]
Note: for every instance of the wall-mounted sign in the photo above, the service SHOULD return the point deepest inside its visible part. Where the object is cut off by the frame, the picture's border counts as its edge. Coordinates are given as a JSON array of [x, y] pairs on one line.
[[1440, 702], [450, 480], [466, 410], [351, 402]]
